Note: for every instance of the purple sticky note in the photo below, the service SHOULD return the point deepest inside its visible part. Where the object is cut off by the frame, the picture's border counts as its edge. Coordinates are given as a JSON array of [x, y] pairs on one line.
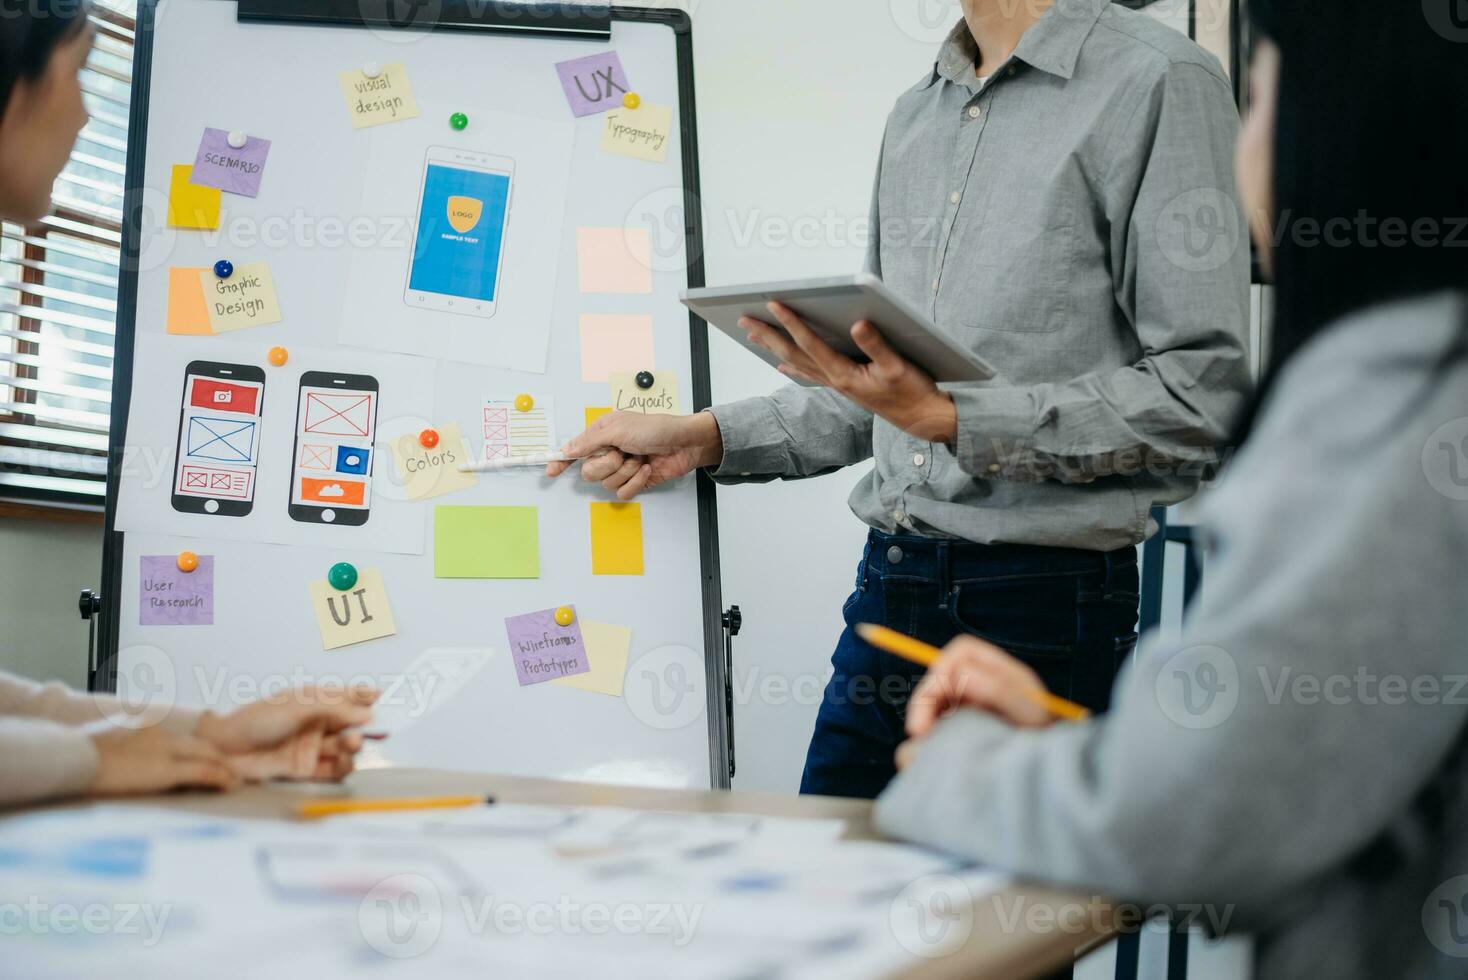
[[220, 165], [594, 84], [169, 597], [543, 649]]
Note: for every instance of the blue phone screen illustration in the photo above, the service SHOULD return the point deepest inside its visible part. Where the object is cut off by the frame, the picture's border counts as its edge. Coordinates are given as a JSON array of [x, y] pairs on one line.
[[461, 224]]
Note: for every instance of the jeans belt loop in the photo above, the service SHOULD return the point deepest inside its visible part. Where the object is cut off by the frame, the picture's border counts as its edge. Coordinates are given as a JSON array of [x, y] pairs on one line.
[[943, 575]]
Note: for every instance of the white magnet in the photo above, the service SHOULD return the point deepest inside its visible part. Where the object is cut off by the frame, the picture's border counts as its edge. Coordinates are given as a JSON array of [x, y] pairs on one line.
[[371, 69], [237, 138]]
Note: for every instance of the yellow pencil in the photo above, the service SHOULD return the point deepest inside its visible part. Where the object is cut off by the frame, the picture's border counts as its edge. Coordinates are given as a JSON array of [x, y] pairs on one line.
[[326, 808], [926, 654]]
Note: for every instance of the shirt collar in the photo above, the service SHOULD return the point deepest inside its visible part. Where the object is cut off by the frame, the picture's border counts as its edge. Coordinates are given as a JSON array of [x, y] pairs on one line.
[[1052, 45]]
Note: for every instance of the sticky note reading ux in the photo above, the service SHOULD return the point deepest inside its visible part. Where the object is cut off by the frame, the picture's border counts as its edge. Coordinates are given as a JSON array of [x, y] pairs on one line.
[[170, 597], [189, 204], [373, 101], [616, 539], [593, 84], [544, 649], [245, 299], [643, 133], [359, 614], [486, 542]]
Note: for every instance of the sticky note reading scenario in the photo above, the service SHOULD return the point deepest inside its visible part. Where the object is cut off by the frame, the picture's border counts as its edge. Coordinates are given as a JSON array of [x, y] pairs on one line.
[[486, 542], [170, 597], [513, 430], [245, 299], [614, 343], [643, 133], [614, 260], [616, 538], [187, 314], [432, 472], [544, 649], [191, 205], [593, 84], [220, 165], [387, 98], [606, 651], [660, 398], [359, 614]]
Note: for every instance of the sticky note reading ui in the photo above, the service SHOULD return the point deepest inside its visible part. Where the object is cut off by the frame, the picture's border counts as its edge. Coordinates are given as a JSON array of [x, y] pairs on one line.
[[187, 314], [659, 398], [613, 343], [191, 205], [643, 133], [170, 597], [387, 98], [593, 84], [614, 260], [486, 542], [616, 538], [606, 651], [544, 649], [245, 299], [359, 614], [220, 165]]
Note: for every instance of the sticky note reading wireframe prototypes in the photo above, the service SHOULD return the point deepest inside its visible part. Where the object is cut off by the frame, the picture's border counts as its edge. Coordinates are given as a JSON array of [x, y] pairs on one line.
[[643, 132], [486, 542], [191, 205], [606, 651], [245, 299], [616, 538], [220, 165], [388, 98], [432, 472], [659, 398], [593, 84], [612, 342], [187, 315], [359, 614], [614, 260], [544, 649], [168, 596]]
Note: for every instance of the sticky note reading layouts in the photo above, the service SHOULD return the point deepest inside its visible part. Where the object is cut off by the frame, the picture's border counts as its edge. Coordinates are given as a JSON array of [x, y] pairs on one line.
[[359, 614], [643, 133], [191, 205], [593, 84], [373, 101], [170, 597], [486, 542], [245, 299], [606, 650], [220, 165], [544, 649], [612, 343], [616, 539], [432, 472], [660, 398], [187, 314], [614, 260]]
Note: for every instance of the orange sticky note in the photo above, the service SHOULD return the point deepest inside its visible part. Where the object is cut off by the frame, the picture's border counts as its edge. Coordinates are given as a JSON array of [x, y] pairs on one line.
[[612, 343], [614, 260], [191, 205], [592, 414], [187, 313], [616, 538]]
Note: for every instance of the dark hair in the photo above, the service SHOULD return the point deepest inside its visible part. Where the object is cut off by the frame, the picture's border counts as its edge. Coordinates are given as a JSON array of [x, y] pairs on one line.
[[1370, 186], [30, 32]]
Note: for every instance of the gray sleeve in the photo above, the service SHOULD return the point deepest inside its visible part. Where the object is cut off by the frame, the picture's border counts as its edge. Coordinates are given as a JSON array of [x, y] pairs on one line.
[[1181, 269]]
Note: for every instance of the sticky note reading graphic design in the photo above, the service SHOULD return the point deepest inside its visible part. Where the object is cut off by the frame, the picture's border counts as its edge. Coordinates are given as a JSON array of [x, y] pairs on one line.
[[189, 204], [616, 538], [543, 649], [432, 472], [511, 432], [169, 597], [187, 314], [615, 343], [661, 398], [220, 165], [643, 133], [245, 299], [593, 84], [373, 101], [614, 260], [361, 613], [486, 542], [606, 652]]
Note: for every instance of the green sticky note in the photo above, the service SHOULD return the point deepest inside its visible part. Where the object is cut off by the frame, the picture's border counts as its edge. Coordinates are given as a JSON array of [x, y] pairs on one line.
[[486, 542]]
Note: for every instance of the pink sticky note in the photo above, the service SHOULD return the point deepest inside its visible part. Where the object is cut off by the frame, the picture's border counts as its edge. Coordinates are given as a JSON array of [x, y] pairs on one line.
[[614, 260], [543, 649], [220, 165], [614, 343]]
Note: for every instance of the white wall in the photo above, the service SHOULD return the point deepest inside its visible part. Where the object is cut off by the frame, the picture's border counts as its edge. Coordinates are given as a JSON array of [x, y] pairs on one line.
[[43, 566]]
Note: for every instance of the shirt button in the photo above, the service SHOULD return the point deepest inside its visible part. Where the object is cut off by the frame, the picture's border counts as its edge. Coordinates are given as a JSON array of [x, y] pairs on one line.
[[955, 197], [918, 459], [974, 112], [899, 516], [994, 467], [935, 285], [1011, 72]]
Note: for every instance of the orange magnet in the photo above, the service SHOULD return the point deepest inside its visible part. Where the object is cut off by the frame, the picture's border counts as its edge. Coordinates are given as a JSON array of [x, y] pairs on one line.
[[187, 561], [278, 356], [428, 438]]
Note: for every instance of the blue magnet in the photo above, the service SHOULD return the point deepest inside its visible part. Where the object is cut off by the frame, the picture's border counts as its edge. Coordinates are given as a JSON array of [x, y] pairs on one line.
[[224, 268]]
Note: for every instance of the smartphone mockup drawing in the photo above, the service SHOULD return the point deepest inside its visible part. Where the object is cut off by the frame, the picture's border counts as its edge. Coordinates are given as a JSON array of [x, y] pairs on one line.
[[218, 452], [331, 456], [457, 264]]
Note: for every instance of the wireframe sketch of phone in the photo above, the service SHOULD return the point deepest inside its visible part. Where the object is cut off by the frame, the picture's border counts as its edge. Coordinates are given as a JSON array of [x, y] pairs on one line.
[[331, 459], [458, 255], [218, 439]]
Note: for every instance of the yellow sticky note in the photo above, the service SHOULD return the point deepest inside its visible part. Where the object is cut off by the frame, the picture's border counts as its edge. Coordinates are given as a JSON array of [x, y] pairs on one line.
[[187, 314], [432, 472], [373, 101], [616, 539], [486, 542], [592, 414], [190, 205], [359, 614], [606, 652], [643, 132], [614, 260], [660, 399], [615, 342], [245, 299]]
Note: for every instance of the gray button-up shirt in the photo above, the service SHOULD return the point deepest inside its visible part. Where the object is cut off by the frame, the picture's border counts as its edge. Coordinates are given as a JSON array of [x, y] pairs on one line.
[[1074, 221]]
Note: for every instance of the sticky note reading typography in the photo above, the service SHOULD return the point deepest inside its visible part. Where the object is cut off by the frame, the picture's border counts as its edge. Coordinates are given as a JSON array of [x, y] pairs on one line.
[[359, 614], [486, 542], [643, 133], [593, 84], [543, 649], [245, 299], [189, 204], [612, 343], [220, 165], [387, 98], [616, 538], [432, 472], [614, 260], [659, 398], [187, 314], [170, 597], [606, 651]]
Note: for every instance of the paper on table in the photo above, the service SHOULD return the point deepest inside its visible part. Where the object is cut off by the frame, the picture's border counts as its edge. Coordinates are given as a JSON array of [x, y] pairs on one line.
[[424, 686], [432, 472], [606, 652], [612, 343], [189, 204], [168, 596], [359, 614], [544, 649], [187, 313], [387, 98], [614, 260], [486, 542], [220, 165], [245, 299], [616, 538], [660, 399], [594, 83], [642, 133], [511, 434]]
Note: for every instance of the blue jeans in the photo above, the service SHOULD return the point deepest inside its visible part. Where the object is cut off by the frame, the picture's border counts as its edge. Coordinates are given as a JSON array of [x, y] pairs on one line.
[[1070, 615]]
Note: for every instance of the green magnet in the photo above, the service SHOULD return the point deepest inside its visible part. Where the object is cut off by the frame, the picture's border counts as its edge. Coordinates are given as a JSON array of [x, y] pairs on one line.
[[343, 576], [459, 121]]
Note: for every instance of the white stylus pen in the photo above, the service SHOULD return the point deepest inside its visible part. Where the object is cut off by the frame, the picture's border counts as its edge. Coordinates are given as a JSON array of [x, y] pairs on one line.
[[490, 466]]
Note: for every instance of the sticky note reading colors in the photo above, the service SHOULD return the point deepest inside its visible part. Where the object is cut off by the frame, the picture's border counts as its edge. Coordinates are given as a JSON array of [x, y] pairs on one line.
[[245, 299], [169, 597], [643, 133], [606, 651], [612, 343], [543, 649], [486, 542], [220, 165], [187, 314], [373, 101], [614, 260], [359, 614], [660, 399], [593, 84], [432, 472], [189, 204], [616, 538]]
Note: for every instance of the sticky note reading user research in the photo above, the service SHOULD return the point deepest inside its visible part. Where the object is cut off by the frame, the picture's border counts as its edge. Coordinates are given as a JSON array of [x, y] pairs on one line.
[[170, 597], [616, 538], [486, 542], [606, 650], [187, 315], [432, 472], [544, 649], [614, 260], [594, 83], [387, 98], [359, 614], [220, 165], [613, 342], [661, 398], [191, 205], [245, 299], [643, 133]]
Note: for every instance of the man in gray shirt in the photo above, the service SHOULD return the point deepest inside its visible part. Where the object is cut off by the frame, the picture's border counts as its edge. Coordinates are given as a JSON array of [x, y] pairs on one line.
[[1057, 193]]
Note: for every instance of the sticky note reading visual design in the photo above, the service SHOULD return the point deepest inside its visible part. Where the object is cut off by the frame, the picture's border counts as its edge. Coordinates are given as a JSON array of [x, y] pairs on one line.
[[611, 343], [359, 614], [486, 542], [191, 205], [544, 649], [187, 314], [606, 651], [426, 472], [245, 299], [513, 429], [388, 98], [643, 132], [616, 538], [593, 84], [659, 398], [614, 260], [220, 165], [170, 597]]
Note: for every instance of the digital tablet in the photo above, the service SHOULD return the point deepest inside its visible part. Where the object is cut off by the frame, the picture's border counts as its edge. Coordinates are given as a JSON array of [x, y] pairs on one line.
[[830, 307]]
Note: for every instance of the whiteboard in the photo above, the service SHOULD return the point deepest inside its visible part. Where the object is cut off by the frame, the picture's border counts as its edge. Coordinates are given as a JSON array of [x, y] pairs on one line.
[[280, 82]]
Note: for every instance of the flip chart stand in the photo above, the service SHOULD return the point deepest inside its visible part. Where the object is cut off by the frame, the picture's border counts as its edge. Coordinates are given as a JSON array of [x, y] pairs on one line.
[[89, 604], [733, 619]]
